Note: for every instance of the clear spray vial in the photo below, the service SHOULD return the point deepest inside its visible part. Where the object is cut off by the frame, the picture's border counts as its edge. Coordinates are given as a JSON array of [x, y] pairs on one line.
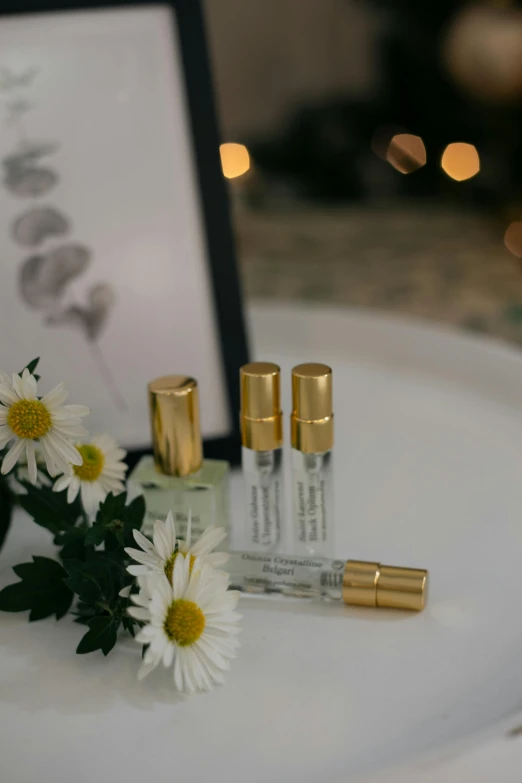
[[355, 582], [312, 442], [262, 454]]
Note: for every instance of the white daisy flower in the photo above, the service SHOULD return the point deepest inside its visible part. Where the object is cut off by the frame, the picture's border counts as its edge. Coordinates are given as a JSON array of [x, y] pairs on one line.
[[190, 622], [32, 423], [102, 472], [160, 554]]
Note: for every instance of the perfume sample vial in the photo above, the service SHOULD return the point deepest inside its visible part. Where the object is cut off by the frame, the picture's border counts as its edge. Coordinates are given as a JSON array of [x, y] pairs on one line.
[[355, 582], [262, 454], [312, 442], [177, 478]]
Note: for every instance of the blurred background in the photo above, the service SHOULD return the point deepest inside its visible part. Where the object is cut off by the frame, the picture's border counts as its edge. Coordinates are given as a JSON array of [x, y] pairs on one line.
[[372, 150]]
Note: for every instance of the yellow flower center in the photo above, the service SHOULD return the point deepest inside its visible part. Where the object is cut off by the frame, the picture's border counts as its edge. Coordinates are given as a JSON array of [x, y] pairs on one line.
[[93, 462], [185, 622], [169, 565], [29, 419]]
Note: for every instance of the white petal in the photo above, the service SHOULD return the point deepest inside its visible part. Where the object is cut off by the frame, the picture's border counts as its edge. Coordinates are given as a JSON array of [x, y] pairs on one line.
[[69, 430], [18, 386], [138, 613], [209, 540], [12, 456], [170, 532], [143, 542], [146, 634], [185, 656], [161, 596], [151, 560], [77, 410], [74, 488], [29, 385], [168, 655], [137, 570], [212, 654], [160, 541], [56, 396], [178, 678], [6, 434], [88, 500], [53, 459], [61, 484], [180, 576], [125, 592], [31, 461], [7, 393], [65, 448], [4, 412]]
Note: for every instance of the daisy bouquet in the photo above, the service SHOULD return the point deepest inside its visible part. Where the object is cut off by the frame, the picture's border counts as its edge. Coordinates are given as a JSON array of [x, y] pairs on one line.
[[170, 594]]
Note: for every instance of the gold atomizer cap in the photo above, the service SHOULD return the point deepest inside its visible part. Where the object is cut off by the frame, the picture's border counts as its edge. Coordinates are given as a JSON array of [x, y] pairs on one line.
[[261, 417], [174, 416], [372, 584], [312, 408]]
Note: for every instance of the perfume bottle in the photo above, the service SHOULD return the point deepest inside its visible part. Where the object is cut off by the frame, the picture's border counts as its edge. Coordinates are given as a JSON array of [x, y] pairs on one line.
[[262, 454], [312, 441], [355, 582], [177, 478]]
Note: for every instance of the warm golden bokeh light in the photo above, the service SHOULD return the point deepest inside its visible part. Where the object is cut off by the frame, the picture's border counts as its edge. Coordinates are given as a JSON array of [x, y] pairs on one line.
[[406, 153], [381, 138], [460, 161], [513, 238], [235, 159]]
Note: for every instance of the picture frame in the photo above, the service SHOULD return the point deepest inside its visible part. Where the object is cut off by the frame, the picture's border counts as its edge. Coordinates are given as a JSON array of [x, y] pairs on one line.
[[202, 332]]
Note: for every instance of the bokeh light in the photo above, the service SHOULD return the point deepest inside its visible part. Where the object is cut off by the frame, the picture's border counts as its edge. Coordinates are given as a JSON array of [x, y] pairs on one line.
[[381, 138], [513, 238], [235, 159], [460, 161], [406, 153]]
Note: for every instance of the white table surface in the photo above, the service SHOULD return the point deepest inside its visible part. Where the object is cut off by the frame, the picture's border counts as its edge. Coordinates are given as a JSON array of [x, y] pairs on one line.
[[428, 474]]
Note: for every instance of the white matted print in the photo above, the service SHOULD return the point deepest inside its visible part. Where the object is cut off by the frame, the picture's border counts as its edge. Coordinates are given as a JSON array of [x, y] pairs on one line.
[[103, 268]]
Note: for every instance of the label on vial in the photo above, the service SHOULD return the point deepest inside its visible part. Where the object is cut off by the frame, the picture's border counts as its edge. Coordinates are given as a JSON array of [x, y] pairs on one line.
[[312, 498], [263, 489]]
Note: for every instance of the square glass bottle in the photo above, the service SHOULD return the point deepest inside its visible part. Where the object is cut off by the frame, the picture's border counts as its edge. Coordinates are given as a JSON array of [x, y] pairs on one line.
[[177, 478]]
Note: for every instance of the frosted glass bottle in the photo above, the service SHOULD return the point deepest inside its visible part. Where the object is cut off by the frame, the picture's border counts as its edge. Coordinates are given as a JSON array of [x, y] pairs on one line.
[[177, 478], [204, 493]]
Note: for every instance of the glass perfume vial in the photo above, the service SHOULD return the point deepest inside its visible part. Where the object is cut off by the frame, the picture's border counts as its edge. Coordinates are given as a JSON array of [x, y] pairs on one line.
[[262, 453], [355, 582], [177, 478], [312, 442]]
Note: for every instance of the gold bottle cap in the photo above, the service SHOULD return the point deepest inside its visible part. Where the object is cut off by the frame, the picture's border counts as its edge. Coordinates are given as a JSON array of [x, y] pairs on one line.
[[261, 417], [372, 584], [312, 408], [174, 415]]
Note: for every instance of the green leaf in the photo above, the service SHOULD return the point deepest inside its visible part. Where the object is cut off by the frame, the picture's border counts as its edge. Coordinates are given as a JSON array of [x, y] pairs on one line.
[[113, 507], [42, 590], [115, 522], [101, 635], [97, 579], [133, 520], [31, 366], [95, 535], [128, 624], [84, 580], [50, 509], [6, 510], [73, 543]]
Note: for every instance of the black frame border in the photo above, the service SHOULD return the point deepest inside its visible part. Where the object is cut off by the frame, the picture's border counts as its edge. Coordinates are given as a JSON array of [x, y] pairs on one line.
[[212, 188]]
